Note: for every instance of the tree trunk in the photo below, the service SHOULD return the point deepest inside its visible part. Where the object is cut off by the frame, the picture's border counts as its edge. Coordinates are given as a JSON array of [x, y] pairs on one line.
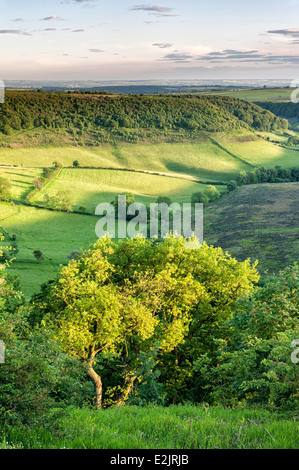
[[97, 381], [130, 384]]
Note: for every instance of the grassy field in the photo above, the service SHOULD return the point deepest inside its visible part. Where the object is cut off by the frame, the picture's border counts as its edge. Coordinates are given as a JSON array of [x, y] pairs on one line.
[[21, 179], [89, 187], [217, 159], [266, 94], [55, 234], [153, 427]]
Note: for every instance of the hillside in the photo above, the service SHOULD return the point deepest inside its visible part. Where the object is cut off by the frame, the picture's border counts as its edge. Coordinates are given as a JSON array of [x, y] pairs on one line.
[[35, 118], [147, 145], [257, 222]]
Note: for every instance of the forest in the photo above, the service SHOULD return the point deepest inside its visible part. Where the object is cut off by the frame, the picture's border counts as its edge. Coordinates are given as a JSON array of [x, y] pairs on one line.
[[109, 118]]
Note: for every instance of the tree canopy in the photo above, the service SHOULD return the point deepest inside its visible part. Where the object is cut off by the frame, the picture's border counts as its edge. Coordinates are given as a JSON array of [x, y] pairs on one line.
[[140, 295]]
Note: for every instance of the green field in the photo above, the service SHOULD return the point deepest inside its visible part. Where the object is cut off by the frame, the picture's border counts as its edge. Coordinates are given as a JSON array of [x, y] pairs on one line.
[[266, 94], [90, 187], [56, 234], [21, 179], [154, 427], [219, 158]]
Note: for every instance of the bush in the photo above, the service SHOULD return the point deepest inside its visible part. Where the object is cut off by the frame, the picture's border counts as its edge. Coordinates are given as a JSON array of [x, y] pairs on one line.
[[253, 361]]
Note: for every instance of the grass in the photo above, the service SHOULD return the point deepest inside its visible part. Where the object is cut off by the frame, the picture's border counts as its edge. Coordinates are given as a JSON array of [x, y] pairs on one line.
[[56, 234], [21, 179], [263, 153], [267, 94], [219, 159], [89, 187], [156, 427]]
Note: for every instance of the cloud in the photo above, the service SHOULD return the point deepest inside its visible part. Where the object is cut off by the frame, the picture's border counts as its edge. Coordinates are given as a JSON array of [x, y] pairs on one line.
[[79, 1], [78, 30], [177, 57], [162, 45], [14, 31], [18, 19], [293, 32], [154, 8], [50, 18], [233, 55], [96, 50]]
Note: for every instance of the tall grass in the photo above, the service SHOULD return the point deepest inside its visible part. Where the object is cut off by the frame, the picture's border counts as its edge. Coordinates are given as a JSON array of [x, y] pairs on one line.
[[154, 427]]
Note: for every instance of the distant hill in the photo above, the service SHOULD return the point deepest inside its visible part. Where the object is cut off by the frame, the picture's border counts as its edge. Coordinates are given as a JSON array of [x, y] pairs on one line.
[[257, 222], [95, 119]]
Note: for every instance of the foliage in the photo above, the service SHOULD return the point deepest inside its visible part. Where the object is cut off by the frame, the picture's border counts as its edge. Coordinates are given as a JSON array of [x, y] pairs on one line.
[[128, 118], [36, 374], [5, 187], [124, 298], [212, 193], [268, 175], [38, 255], [200, 198], [254, 365]]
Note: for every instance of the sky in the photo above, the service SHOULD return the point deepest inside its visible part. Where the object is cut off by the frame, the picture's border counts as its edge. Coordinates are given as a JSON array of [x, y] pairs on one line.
[[167, 40]]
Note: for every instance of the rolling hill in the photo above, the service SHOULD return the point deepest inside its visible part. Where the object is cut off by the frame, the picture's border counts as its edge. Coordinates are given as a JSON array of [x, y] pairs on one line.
[[259, 222]]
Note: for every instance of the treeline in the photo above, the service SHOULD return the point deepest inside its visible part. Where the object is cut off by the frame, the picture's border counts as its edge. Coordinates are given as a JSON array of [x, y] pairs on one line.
[[123, 117], [285, 110], [265, 175]]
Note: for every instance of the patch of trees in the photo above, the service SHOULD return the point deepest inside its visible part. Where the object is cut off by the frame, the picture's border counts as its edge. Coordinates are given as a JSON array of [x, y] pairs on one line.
[[128, 118], [265, 175], [286, 110]]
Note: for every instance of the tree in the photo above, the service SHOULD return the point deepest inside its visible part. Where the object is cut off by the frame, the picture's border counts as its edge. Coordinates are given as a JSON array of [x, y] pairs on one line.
[[212, 193], [126, 300], [38, 255], [38, 183], [242, 178], [253, 363], [199, 197], [130, 199], [5, 186], [76, 164], [74, 254], [164, 199], [232, 185]]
